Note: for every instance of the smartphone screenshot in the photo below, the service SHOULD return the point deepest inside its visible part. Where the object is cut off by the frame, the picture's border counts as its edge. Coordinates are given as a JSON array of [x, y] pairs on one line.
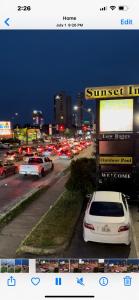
[[69, 149]]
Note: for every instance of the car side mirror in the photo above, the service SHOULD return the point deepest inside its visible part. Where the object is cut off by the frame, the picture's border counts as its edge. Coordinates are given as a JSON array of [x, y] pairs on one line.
[[88, 196], [126, 197]]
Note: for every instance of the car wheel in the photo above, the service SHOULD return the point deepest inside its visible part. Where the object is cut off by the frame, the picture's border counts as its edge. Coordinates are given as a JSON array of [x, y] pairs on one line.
[[52, 167]]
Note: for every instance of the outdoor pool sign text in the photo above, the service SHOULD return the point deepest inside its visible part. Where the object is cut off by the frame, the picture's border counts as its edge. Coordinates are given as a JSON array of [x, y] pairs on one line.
[[104, 160]]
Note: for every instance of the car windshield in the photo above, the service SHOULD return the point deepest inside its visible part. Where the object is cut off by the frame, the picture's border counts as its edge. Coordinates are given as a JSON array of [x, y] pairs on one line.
[[106, 209], [35, 161]]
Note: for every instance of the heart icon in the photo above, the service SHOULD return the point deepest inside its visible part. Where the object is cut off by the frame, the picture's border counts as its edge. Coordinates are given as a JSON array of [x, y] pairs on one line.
[[35, 280]]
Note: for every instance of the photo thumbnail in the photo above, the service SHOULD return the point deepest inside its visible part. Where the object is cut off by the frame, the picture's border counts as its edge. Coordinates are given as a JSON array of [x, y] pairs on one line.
[[69, 162]]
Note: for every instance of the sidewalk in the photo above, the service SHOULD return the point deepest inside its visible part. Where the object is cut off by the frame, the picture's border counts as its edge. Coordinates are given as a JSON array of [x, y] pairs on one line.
[[15, 231]]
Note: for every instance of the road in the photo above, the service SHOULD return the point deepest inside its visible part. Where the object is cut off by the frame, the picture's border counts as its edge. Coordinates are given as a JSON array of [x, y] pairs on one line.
[[13, 188]]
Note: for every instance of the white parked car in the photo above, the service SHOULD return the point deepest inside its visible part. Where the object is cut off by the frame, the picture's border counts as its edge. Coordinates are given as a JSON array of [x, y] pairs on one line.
[[107, 219]]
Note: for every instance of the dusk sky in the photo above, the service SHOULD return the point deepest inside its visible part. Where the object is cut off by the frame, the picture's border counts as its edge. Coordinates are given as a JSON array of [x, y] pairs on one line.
[[35, 65]]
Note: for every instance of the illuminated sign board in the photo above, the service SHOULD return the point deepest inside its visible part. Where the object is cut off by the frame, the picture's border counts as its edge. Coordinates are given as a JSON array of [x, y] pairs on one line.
[[115, 136], [5, 128], [112, 92], [115, 160], [116, 115]]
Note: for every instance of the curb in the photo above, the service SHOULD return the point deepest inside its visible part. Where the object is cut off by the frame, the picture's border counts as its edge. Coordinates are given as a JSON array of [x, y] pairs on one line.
[[40, 251]]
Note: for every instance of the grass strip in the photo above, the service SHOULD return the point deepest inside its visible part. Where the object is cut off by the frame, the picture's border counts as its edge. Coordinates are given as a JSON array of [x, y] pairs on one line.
[[56, 227]]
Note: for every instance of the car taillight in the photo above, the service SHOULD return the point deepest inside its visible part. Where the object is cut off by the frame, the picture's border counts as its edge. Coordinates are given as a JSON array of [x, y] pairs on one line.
[[123, 228], [20, 150], [89, 226], [28, 150]]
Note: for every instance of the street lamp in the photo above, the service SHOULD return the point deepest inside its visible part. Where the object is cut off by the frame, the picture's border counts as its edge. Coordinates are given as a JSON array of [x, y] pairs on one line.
[[75, 107], [88, 110]]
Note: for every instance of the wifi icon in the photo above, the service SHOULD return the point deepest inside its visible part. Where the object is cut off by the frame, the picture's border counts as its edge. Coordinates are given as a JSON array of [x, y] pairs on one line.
[[112, 7]]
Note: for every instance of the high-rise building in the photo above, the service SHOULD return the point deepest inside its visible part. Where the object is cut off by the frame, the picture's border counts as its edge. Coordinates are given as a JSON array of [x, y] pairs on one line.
[[63, 109], [38, 119], [80, 97]]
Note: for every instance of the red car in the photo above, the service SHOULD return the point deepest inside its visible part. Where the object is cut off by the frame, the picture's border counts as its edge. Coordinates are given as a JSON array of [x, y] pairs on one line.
[[65, 154], [26, 149], [40, 149], [7, 169]]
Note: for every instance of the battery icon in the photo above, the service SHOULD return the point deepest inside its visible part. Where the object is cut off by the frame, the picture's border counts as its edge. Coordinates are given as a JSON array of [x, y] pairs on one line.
[[123, 7]]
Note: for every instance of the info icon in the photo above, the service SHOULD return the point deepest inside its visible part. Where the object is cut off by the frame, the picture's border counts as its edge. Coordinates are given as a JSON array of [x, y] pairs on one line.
[[103, 281]]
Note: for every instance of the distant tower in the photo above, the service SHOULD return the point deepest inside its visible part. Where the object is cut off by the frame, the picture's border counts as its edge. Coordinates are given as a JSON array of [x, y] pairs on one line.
[[80, 97], [38, 119], [62, 109]]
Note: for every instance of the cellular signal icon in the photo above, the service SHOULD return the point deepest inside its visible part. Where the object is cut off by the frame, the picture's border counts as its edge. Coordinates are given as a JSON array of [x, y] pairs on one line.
[[103, 8], [112, 7]]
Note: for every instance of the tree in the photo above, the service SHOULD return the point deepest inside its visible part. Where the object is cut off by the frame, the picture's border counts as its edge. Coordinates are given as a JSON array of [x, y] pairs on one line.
[[82, 176]]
